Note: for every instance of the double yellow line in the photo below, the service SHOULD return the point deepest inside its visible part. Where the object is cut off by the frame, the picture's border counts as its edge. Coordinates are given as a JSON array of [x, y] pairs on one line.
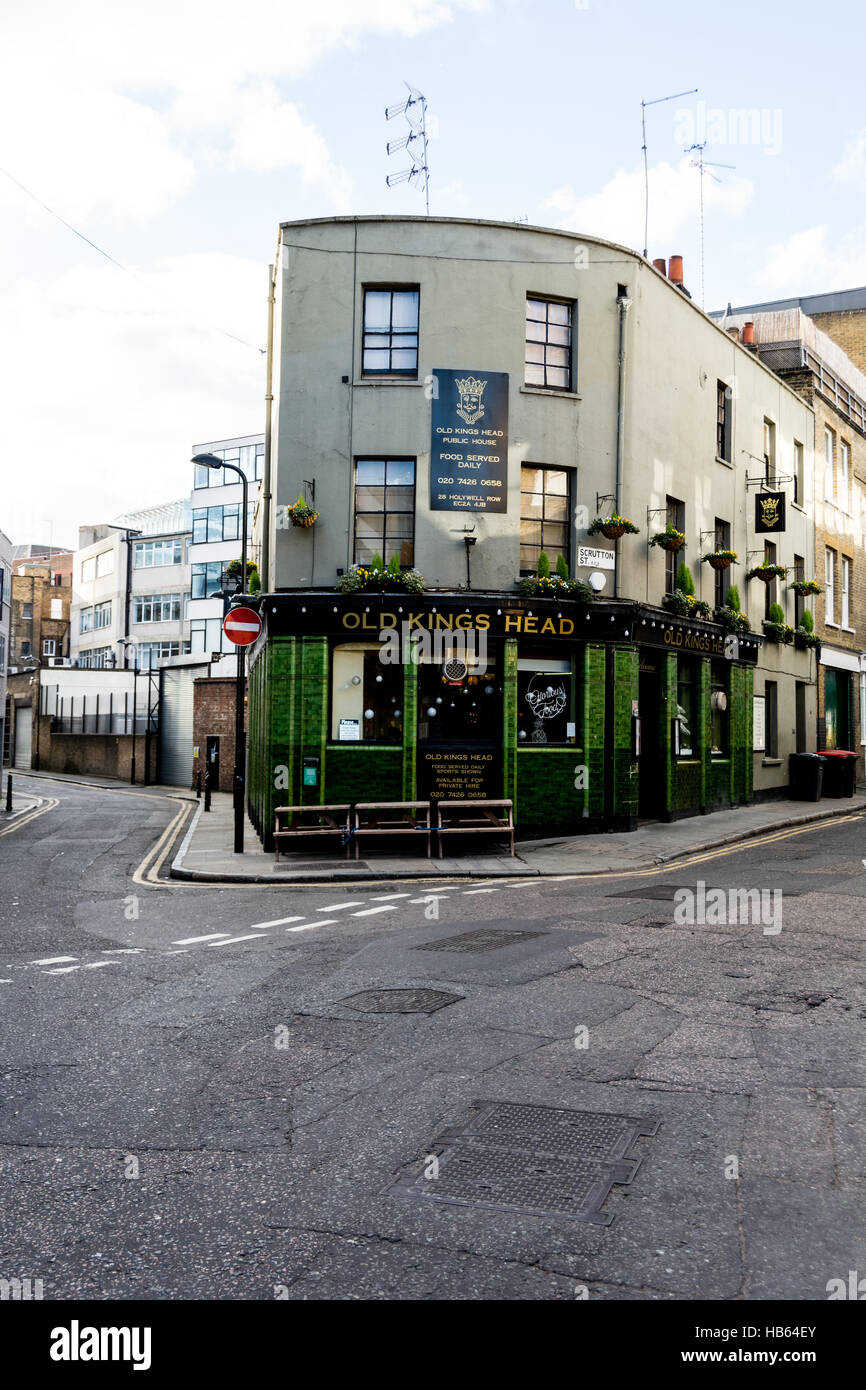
[[46, 804], [147, 873]]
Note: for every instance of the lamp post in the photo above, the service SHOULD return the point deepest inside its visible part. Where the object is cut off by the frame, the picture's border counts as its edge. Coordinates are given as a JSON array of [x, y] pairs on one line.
[[211, 461], [126, 644]]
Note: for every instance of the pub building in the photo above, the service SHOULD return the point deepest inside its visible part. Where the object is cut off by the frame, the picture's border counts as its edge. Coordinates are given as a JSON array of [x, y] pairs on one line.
[[458, 400]]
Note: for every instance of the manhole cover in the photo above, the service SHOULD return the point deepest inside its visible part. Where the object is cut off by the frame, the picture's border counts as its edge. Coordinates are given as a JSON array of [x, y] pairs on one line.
[[485, 940], [533, 1158], [400, 1001]]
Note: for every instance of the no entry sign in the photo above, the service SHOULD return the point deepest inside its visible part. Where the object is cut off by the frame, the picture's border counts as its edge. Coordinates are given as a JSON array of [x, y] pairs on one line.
[[242, 626]]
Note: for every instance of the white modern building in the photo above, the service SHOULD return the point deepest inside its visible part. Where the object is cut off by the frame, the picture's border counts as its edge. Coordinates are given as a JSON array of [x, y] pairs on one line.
[[131, 583], [216, 533]]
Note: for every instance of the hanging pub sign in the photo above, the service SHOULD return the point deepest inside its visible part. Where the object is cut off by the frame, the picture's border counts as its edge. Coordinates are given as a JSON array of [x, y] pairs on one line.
[[469, 446], [769, 511]]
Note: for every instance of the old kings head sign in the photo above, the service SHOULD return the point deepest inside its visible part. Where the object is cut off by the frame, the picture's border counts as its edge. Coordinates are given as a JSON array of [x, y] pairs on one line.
[[770, 511]]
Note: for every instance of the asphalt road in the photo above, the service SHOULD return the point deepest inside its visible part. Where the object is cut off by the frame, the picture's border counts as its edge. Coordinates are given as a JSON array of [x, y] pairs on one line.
[[197, 1105]]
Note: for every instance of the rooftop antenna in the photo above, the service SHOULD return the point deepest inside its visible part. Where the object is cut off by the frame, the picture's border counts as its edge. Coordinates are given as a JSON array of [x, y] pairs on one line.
[[415, 143], [702, 165], [643, 106]]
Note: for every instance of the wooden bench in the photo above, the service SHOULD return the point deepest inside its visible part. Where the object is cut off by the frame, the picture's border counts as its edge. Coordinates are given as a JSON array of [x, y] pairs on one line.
[[391, 818], [329, 820], [475, 818]]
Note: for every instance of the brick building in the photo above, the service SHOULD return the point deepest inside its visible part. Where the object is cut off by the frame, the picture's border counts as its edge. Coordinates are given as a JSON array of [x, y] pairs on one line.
[[41, 599], [465, 398], [824, 370], [213, 730]]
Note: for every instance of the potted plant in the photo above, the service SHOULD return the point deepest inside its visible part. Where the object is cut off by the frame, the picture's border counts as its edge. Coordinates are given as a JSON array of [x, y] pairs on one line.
[[379, 576], [685, 605], [729, 615], [805, 635], [669, 539], [612, 526], [300, 513], [543, 583], [253, 584], [775, 628], [721, 559], [805, 587], [767, 572]]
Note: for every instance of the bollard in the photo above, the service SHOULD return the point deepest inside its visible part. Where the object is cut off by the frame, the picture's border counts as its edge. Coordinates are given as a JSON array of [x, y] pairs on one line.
[[198, 784], [9, 792], [207, 789]]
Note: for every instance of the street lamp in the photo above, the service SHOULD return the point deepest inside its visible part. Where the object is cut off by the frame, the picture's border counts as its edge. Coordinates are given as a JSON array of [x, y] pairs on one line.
[[211, 461], [126, 644]]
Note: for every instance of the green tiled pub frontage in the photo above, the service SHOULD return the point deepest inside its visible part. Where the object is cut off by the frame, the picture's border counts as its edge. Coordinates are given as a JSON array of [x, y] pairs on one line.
[[588, 717]]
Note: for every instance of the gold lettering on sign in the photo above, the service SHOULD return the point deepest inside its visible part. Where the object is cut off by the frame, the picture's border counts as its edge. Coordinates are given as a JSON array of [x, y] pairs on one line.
[[769, 511]]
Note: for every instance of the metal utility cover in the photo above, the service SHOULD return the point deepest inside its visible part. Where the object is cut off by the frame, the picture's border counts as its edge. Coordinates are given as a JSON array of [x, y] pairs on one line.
[[488, 939], [400, 1001], [534, 1159]]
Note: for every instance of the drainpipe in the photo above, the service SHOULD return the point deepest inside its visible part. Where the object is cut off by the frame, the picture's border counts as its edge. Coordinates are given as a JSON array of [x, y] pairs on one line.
[[624, 304], [266, 481]]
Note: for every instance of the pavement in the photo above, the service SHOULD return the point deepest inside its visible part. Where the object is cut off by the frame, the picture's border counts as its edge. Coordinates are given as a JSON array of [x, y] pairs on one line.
[[206, 852]]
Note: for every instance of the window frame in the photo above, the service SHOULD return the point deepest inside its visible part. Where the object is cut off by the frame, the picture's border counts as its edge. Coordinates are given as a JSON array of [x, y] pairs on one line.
[[570, 485], [830, 571], [845, 569], [724, 421], [386, 510], [410, 373], [571, 306], [142, 602], [675, 515]]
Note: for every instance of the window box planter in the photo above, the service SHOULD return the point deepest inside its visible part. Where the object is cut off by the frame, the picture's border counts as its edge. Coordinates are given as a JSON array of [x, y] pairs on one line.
[[686, 605], [730, 620], [767, 573], [778, 632], [612, 527], [669, 539], [806, 586], [364, 579], [721, 559], [541, 586], [803, 640]]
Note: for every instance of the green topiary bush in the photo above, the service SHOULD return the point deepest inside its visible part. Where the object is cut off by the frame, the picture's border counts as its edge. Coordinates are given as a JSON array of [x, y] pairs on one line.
[[562, 567], [776, 614], [685, 583], [733, 599], [543, 570], [807, 622]]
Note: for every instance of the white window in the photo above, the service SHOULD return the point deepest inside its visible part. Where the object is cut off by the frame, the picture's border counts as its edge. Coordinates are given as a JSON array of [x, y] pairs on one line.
[[57, 608], [105, 563], [769, 451], [88, 570], [3, 654], [96, 658], [799, 476], [152, 554], [846, 592], [844, 476], [157, 608], [85, 620], [149, 654], [102, 615], [48, 646], [830, 595], [829, 481]]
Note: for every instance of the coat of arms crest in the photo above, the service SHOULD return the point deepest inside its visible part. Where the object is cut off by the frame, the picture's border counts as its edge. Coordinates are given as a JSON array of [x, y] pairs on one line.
[[470, 407]]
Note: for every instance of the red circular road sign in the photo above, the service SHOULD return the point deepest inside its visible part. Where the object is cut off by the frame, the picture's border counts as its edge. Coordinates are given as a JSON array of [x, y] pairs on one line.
[[242, 626]]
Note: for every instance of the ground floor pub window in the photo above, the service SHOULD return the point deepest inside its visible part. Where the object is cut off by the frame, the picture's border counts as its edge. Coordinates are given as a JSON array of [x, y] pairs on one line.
[[460, 697], [366, 696], [685, 730], [545, 700], [720, 700]]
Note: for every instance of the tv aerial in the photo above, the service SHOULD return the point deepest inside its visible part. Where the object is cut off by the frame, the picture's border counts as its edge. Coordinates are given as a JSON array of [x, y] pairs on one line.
[[414, 108], [704, 166]]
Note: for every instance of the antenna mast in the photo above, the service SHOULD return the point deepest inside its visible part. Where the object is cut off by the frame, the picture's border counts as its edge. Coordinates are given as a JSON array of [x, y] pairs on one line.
[[415, 143], [701, 164], [643, 106]]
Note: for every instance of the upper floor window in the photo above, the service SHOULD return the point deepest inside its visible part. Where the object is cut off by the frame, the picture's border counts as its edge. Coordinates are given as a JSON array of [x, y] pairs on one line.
[[722, 577], [844, 476], [769, 451], [207, 578], [675, 515], [548, 343], [152, 554], [104, 563], [249, 457], [723, 421], [799, 476], [88, 570], [157, 608], [216, 523], [27, 612], [830, 586], [846, 592], [48, 646], [829, 474], [385, 510], [545, 513], [390, 332], [770, 590]]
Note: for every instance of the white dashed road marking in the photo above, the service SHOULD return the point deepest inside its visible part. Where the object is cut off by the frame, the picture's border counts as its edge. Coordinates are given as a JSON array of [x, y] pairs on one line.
[[100, 964], [278, 922], [470, 892], [230, 941], [193, 940], [370, 911], [310, 926], [53, 960], [124, 951], [383, 897], [338, 907], [64, 970]]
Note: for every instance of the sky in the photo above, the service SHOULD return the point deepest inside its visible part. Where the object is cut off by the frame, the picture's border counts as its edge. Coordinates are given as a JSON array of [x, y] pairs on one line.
[[177, 136]]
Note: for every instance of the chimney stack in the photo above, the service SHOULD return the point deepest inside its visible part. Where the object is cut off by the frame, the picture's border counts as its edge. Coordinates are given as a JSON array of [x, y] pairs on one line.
[[661, 265], [733, 332]]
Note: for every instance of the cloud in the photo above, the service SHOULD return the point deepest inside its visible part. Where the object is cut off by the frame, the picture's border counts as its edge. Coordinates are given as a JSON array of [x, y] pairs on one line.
[[270, 134], [616, 211], [806, 264], [113, 382], [852, 165]]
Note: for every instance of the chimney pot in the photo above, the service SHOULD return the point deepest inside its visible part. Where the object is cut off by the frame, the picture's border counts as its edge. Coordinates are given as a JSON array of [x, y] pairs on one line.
[[733, 332], [676, 270], [661, 264], [749, 333]]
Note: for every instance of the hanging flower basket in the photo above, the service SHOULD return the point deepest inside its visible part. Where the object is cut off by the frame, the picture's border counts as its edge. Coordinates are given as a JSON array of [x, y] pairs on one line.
[[612, 527], [300, 513], [805, 586], [669, 539], [721, 559], [767, 573]]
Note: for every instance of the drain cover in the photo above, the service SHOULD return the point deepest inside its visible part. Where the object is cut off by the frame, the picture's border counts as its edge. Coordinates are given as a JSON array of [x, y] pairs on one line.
[[487, 939], [535, 1159], [400, 1001]]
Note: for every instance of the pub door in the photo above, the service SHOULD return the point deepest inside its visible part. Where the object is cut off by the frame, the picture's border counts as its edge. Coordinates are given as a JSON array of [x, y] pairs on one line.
[[460, 729], [650, 768]]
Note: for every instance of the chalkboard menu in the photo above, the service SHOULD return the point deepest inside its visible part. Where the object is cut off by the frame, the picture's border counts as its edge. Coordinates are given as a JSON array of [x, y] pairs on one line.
[[469, 447]]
